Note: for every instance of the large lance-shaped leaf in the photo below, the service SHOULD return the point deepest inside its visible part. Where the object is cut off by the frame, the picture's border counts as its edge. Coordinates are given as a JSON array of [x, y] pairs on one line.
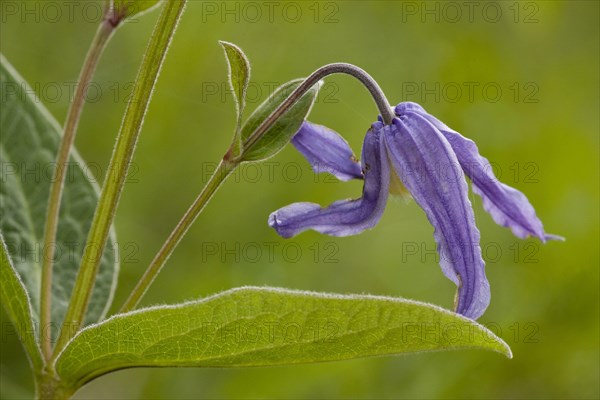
[[16, 303], [281, 132], [28, 147], [267, 326]]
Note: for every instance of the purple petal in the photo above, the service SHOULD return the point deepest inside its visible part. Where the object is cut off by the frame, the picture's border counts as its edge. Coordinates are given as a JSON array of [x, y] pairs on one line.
[[427, 165], [346, 217], [327, 151], [507, 206]]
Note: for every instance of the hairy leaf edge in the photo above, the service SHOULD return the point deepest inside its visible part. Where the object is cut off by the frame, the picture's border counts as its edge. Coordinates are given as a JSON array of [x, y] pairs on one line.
[[29, 93], [507, 351], [35, 359]]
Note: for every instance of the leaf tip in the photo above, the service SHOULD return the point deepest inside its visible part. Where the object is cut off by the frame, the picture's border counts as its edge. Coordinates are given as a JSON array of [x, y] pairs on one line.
[[507, 351]]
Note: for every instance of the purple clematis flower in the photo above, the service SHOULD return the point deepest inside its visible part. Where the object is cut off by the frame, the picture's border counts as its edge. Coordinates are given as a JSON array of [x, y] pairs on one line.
[[429, 159]]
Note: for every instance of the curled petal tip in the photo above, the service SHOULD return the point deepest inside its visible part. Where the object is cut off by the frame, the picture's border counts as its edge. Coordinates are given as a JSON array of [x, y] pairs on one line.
[[345, 217], [272, 220], [285, 226], [550, 236], [507, 206], [476, 308]]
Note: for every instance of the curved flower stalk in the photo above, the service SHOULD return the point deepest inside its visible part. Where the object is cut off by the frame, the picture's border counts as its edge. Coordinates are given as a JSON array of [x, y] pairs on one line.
[[429, 159]]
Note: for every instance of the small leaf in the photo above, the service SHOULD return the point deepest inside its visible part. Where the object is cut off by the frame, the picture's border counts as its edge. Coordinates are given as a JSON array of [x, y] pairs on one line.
[[16, 303], [129, 8], [282, 131], [239, 77], [267, 326], [28, 147], [239, 74]]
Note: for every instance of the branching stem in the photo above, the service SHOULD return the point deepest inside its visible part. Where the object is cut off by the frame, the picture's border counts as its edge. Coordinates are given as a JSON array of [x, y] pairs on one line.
[[103, 34]]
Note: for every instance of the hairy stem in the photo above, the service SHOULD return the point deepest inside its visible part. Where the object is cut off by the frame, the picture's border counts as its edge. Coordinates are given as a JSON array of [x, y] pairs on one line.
[[218, 177], [119, 165], [103, 34], [383, 105], [49, 387]]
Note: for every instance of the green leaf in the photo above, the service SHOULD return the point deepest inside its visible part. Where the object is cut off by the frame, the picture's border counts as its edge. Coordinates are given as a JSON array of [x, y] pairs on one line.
[[239, 77], [16, 303], [267, 326], [28, 147], [278, 135], [239, 74], [129, 8]]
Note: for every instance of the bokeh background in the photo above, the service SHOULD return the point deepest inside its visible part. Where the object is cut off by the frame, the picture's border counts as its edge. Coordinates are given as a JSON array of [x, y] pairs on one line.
[[520, 78]]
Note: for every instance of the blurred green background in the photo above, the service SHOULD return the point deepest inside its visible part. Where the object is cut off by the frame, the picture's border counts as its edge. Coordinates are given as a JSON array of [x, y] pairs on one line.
[[520, 78]]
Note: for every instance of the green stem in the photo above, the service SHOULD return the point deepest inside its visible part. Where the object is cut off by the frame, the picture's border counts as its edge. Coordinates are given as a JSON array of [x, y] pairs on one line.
[[103, 34], [219, 176], [48, 387], [119, 165], [336, 68]]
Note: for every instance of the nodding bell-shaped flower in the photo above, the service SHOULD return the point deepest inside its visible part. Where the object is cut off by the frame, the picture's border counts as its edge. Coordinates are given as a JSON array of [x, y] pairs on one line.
[[430, 159]]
